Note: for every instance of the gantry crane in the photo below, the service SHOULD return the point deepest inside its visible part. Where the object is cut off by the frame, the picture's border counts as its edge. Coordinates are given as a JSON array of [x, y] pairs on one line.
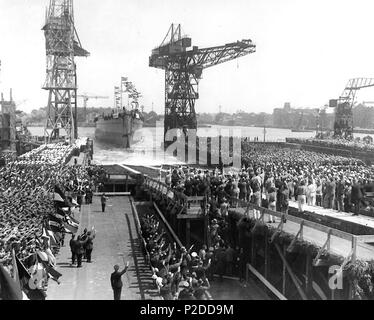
[[85, 98], [62, 46], [183, 70], [343, 124]]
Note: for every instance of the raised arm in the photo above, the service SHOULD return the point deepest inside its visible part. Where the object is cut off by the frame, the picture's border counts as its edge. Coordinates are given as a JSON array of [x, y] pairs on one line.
[[126, 267]]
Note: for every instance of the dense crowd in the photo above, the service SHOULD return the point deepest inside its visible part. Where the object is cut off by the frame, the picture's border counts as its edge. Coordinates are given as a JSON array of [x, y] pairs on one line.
[[28, 202], [336, 143], [270, 177], [178, 273]]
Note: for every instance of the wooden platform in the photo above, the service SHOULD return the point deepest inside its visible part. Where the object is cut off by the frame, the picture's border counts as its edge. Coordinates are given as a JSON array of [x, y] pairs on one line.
[[345, 216]]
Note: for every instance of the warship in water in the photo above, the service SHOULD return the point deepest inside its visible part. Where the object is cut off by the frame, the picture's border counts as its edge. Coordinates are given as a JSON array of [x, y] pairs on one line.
[[118, 128]]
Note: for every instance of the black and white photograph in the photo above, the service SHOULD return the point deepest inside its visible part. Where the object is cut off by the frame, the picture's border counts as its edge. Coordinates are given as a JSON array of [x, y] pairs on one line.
[[210, 151]]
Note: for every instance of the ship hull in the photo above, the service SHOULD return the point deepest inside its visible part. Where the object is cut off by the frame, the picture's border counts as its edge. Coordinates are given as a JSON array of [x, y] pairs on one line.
[[118, 132]]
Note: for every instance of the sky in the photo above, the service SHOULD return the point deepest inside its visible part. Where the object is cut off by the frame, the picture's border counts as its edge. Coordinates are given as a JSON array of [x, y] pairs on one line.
[[306, 50]]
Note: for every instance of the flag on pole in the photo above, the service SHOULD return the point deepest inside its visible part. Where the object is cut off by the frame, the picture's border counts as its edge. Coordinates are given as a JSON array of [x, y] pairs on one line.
[[49, 234], [57, 197], [59, 191], [54, 226], [24, 277], [73, 220], [71, 227], [49, 268]]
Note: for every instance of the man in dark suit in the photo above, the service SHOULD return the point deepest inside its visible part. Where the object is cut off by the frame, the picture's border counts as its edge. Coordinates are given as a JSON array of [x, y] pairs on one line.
[[72, 244], [80, 250], [116, 281], [356, 196], [103, 202], [89, 244]]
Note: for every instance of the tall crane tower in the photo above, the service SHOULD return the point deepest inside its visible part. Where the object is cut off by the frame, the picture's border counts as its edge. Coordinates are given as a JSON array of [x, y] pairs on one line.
[[343, 124], [62, 46], [85, 98], [183, 70]]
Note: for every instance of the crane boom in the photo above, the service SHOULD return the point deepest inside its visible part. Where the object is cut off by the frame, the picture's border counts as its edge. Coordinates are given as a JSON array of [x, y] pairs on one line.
[[343, 124], [213, 56], [183, 70], [85, 101]]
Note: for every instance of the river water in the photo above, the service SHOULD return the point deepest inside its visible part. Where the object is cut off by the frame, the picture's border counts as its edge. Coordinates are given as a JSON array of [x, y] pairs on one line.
[[147, 151]]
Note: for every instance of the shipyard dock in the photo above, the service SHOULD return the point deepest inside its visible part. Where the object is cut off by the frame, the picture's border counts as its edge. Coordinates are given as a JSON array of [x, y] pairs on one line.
[[117, 241]]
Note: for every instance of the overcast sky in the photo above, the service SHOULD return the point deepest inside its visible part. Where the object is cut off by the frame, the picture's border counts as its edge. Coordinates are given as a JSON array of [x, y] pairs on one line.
[[306, 50]]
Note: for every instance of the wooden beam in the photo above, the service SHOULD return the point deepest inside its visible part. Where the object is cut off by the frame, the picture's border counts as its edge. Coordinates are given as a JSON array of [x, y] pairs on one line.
[[299, 234], [365, 238], [308, 274], [265, 282], [354, 248], [266, 254], [277, 231], [326, 246], [290, 272], [170, 229], [259, 221], [188, 233], [311, 224]]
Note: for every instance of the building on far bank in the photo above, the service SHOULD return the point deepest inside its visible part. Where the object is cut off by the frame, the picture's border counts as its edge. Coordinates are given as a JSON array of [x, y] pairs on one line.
[[8, 124], [296, 118]]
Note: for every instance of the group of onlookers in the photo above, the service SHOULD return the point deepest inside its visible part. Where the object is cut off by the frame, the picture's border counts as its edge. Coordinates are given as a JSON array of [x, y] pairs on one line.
[[271, 177], [336, 143], [27, 200], [178, 273], [82, 246]]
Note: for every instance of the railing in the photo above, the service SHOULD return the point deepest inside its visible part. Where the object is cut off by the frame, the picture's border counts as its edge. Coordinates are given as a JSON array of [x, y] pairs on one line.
[[173, 197], [354, 239]]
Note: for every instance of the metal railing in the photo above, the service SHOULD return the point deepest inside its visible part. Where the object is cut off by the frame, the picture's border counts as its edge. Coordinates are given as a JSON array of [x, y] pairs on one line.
[[354, 239]]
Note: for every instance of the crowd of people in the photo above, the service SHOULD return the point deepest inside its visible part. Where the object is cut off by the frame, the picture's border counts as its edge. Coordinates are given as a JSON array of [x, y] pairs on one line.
[[178, 273], [82, 246], [28, 203], [336, 143], [270, 177]]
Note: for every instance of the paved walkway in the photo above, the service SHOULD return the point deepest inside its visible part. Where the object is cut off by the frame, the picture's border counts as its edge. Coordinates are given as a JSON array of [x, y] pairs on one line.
[[116, 242]]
